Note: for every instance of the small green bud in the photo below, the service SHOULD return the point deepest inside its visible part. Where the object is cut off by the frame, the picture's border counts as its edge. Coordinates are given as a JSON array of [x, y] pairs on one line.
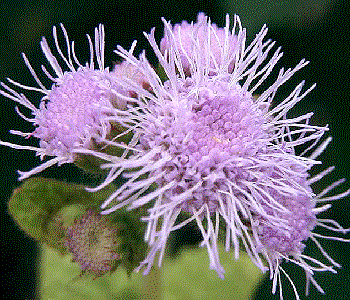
[[99, 243], [93, 240]]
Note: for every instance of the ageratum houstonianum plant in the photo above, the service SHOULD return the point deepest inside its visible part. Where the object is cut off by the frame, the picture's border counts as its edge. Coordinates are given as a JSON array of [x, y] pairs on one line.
[[204, 140], [217, 152]]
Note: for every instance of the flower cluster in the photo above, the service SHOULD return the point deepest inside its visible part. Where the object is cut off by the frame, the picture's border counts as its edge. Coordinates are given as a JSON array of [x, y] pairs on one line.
[[203, 144]]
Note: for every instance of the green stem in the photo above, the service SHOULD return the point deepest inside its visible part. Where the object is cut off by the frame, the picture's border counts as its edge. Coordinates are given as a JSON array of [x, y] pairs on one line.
[[152, 286]]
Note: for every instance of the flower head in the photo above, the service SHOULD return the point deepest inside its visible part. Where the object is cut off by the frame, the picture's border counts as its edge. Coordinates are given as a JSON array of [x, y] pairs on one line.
[[73, 113], [217, 44], [216, 151]]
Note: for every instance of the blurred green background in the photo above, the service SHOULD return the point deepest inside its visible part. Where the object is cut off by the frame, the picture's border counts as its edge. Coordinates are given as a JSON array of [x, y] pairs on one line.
[[316, 30]]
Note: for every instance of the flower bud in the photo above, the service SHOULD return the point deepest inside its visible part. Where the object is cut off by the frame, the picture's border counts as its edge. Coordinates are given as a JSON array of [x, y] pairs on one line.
[[93, 240]]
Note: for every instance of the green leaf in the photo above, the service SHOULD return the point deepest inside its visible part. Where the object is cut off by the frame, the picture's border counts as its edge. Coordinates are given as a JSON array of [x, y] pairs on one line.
[[189, 277], [43, 208], [59, 279], [186, 278]]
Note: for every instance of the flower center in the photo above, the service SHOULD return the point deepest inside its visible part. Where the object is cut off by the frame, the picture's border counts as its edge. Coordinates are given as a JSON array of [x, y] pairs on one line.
[[210, 137], [223, 126]]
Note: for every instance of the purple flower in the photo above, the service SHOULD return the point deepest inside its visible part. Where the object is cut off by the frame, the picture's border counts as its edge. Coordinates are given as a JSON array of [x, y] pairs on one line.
[[72, 113], [204, 145], [218, 43], [214, 151]]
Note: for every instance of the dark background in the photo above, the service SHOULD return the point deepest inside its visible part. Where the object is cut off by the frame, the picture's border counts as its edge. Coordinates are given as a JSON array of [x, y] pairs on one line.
[[316, 30]]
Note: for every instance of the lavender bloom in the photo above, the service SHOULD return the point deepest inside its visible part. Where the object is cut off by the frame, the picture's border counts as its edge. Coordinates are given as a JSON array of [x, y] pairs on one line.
[[222, 43], [72, 114], [215, 151]]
